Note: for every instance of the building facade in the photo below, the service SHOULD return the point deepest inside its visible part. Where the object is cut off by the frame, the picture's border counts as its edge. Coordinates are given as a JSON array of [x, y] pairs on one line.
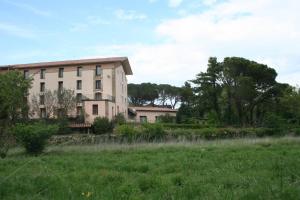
[[100, 85], [142, 114]]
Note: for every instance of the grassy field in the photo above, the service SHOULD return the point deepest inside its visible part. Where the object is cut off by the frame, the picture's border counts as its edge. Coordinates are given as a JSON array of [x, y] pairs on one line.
[[228, 169]]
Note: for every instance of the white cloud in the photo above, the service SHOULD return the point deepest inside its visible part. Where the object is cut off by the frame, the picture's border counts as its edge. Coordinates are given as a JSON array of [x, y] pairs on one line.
[[129, 15], [175, 3], [267, 31], [209, 2], [12, 29]]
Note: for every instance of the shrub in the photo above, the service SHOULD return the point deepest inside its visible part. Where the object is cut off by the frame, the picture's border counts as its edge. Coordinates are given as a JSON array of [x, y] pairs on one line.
[[167, 118], [102, 125], [34, 136], [63, 125], [273, 121], [6, 141], [119, 119], [128, 131], [153, 131]]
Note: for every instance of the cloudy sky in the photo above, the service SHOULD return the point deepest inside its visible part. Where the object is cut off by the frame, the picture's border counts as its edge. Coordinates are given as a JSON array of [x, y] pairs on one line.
[[167, 41]]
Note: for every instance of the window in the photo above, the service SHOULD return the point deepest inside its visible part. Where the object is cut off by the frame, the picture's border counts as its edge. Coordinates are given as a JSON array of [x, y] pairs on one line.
[[60, 86], [79, 97], [42, 100], [98, 96], [118, 110], [61, 72], [79, 71], [143, 119], [98, 70], [78, 110], [43, 112], [26, 74], [42, 87], [98, 84], [79, 85], [95, 109], [43, 72]]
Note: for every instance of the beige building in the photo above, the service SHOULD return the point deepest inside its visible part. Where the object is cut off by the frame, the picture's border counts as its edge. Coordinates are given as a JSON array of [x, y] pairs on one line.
[[100, 85], [149, 114]]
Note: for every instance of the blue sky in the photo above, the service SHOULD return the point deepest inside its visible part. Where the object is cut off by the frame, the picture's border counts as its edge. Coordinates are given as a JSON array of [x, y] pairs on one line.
[[167, 41]]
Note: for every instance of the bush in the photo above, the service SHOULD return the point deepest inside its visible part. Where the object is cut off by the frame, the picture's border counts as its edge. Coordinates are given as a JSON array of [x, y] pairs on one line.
[[167, 118], [128, 131], [273, 121], [119, 119], [153, 131], [6, 141], [102, 125], [34, 136], [63, 125]]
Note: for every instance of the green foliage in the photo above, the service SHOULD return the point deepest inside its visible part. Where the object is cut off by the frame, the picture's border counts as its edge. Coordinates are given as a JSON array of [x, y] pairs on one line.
[[153, 131], [6, 141], [127, 130], [119, 119], [167, 119], [13, 104], [63, 124], [272, 120], [102, 125], [34, 136]]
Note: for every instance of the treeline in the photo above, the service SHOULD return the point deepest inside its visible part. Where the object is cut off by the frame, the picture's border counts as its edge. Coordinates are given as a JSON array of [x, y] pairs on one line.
[[235, 91], [154, 94]]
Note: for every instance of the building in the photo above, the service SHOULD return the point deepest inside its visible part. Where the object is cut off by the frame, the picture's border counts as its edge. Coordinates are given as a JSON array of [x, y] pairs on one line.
[[100, 84], [149, 114]]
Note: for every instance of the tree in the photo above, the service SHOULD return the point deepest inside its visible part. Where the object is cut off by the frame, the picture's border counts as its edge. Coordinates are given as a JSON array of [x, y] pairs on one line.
[[60, 103], [13, 105], [13, 96]]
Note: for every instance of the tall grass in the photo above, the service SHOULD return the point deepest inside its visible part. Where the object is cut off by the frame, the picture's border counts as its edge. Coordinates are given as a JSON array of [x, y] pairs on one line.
[[264, 168]]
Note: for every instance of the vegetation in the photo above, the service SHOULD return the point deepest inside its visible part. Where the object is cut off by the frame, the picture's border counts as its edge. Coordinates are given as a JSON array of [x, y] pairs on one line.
[[58, 103], [13, 105], [102, 125], [228, 169], [34, 136], [149, 93]]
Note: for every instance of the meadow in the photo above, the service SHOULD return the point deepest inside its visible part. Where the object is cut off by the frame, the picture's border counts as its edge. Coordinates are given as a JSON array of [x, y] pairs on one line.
[[263, 168]]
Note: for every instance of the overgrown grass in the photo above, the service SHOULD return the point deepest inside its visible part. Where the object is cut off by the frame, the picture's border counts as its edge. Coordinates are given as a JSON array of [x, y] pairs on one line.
[[265, 168]]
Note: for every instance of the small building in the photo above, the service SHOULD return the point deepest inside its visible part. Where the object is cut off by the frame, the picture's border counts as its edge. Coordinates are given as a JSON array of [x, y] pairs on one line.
[[149, 114]]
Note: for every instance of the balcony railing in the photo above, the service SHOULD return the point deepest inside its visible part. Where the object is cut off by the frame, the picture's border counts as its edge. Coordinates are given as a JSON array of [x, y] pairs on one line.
[[91, 97]]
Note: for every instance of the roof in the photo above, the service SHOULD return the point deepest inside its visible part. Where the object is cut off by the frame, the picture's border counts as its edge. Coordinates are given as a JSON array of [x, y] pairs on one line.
[[152, 109], [123, 60]]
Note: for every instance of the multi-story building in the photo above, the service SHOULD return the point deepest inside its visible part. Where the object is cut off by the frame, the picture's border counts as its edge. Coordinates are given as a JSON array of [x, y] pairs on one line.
[[100, 85]]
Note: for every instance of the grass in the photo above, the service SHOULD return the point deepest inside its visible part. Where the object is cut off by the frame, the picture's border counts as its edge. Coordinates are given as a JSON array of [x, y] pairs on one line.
[[226, 169]]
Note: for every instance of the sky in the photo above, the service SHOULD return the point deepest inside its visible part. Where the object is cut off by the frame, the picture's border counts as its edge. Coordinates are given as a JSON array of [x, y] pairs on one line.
[[166, 41]]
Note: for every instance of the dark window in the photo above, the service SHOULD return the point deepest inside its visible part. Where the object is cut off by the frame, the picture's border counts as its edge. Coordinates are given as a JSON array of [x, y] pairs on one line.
[[95, 109], [79, 85], [143, 119], [79, 97], [118, 110], [43, 72], [61, 72], [98, 96], [42, 100], [42, 87], [26, 74], [78, 110], [60, 86], [98, 70], [79, 71], [43, 112], [98, 84]]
